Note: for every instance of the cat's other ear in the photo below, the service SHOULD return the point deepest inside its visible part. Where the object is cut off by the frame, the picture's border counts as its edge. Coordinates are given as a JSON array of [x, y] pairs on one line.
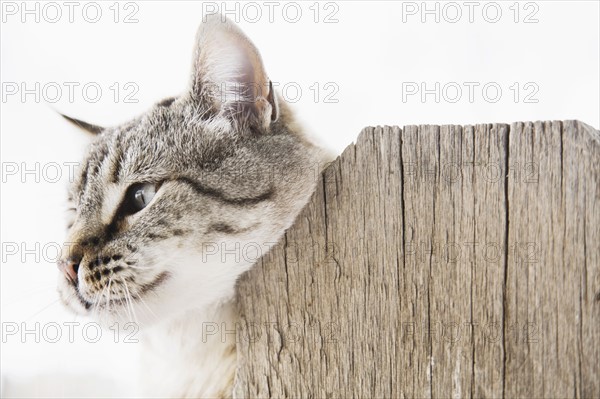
[[229, 76], [88, 127]]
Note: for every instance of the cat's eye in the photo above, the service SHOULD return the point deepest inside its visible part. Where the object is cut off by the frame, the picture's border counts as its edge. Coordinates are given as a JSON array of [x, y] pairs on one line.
[[139, 196]]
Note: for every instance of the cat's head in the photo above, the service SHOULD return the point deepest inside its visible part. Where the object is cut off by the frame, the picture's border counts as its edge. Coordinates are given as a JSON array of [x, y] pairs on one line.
[[170, 208]]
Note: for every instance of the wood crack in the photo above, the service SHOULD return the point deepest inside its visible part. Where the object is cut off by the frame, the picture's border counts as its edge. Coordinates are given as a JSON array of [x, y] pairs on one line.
[[506, 253]]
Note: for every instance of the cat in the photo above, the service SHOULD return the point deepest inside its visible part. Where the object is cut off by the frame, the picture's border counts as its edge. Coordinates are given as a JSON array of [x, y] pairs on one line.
[[169, 209]]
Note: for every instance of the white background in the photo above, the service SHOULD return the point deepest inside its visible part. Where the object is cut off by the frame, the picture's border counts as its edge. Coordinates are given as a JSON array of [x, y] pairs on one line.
[[365, 61]]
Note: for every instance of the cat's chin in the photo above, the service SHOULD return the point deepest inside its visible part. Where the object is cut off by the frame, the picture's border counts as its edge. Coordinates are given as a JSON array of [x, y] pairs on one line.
[[163, 303], [118, 312], [120, 317]]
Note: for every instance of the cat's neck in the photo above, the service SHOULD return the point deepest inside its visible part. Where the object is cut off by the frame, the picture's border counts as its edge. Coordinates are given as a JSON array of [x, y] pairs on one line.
[[204, 323], [193, 354]]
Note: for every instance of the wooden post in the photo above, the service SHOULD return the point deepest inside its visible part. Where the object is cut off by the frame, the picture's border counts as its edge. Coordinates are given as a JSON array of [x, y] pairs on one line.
[[435, 262]]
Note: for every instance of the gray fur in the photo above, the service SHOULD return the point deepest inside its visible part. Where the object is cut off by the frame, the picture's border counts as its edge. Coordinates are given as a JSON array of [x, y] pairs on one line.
[[221, 174], [231, 169]]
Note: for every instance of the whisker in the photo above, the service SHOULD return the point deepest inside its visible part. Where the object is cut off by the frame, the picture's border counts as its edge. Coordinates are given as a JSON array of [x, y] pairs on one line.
[[48, 306], [129, 301], [24, 296], [97, 302], [139, 297], [129, 315], [108, 292], [139, 267]]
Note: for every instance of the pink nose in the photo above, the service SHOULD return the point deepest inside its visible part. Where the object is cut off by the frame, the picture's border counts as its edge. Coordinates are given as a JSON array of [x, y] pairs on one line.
[[69, 267]]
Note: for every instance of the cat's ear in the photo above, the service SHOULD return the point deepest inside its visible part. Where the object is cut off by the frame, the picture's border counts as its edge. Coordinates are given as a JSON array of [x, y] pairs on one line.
[[88, 127], [229, 76]]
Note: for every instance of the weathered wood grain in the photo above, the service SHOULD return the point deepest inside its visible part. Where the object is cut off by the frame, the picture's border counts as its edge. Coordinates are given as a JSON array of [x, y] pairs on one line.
[[435, 262]]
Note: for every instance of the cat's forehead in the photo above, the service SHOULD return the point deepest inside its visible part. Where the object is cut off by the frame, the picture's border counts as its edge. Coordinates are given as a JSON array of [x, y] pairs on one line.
[[153, 147]]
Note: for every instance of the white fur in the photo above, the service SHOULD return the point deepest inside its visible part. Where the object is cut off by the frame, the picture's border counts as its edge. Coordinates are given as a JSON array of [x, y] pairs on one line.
[[184, 356], [113, 196], [192, 355]]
